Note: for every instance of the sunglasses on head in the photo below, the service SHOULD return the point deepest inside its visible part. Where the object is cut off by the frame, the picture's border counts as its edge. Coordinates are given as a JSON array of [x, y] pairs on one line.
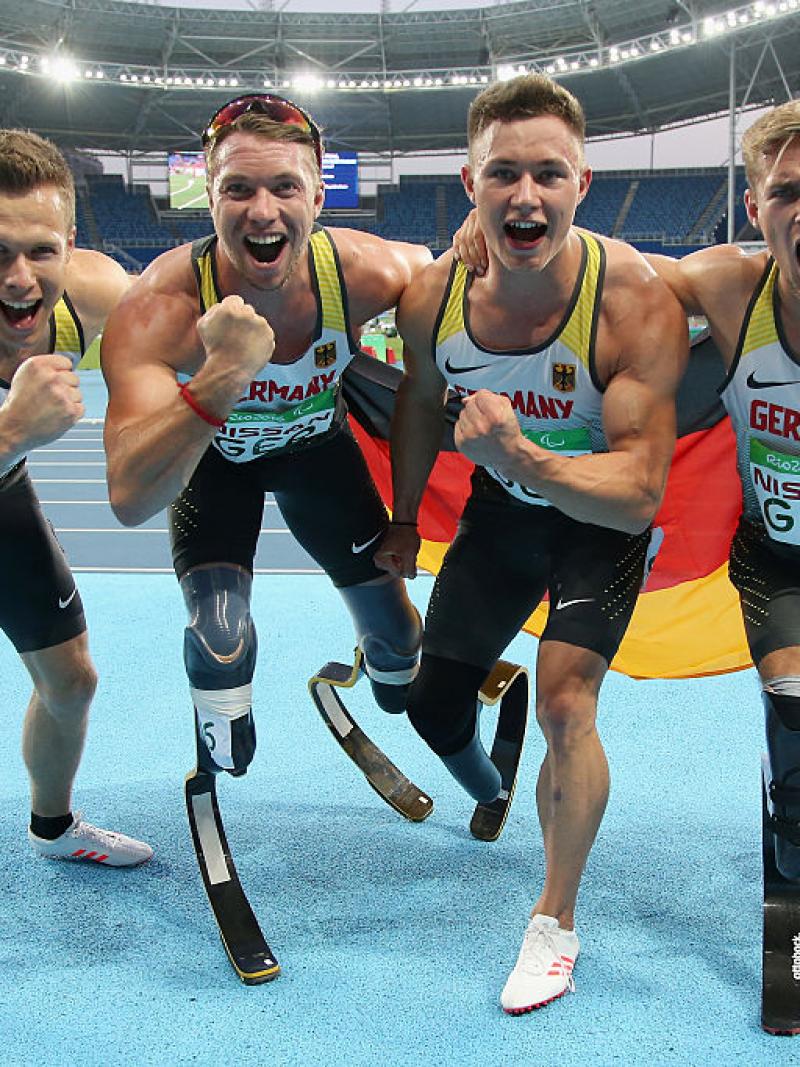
[[274, 107]]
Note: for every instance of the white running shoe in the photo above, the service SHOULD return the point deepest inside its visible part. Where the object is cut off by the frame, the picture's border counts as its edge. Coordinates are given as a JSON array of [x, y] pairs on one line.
[[82, 841], [543, 970]]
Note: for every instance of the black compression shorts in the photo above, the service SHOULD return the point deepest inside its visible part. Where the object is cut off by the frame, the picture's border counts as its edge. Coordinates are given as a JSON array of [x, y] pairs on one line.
[[767, 577], [39, 604], [503, 559], [325, 494]]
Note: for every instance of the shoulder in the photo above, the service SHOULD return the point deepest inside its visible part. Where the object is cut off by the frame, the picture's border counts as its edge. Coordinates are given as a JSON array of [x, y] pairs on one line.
[[724, 268], [163, 298], [419, 307], [95, 284], [631, 285], [376, 269], [169, 275]]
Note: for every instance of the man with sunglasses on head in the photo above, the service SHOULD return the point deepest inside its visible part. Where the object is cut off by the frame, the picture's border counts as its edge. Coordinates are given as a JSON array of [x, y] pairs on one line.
[[223, 365]]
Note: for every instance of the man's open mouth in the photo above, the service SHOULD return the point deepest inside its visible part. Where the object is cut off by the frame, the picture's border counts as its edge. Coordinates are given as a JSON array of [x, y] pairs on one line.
[[525, 232], [20, 313], [265, 249]]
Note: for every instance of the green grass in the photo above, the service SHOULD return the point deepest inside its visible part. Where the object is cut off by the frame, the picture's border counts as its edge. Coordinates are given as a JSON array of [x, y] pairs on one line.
[[186, 191]]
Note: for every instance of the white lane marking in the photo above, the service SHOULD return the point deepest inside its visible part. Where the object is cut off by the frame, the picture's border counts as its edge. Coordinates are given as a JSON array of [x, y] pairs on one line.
[[76, 568], [128, 530]]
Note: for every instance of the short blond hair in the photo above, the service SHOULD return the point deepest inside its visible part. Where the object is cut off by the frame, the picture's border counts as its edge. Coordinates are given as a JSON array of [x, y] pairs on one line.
[[259, 125], [525, 97], [767, 136], [28, 161]]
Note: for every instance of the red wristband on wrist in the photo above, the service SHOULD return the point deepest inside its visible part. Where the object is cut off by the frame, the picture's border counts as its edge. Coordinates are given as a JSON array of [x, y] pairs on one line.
[[206, 416]]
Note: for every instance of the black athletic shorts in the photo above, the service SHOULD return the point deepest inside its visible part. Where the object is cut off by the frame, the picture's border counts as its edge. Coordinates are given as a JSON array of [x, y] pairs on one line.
[[503, 559], [325, 494], [39, 603], [766, 575]]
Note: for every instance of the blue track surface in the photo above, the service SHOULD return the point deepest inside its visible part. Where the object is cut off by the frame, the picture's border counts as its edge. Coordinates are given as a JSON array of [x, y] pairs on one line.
[[395, 939]]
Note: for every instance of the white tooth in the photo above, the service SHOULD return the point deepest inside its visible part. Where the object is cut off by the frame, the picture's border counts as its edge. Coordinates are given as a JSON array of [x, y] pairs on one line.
[[19, 304], [270, 239]]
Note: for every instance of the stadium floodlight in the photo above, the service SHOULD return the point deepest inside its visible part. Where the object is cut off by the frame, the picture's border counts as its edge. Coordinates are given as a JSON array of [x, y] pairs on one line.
[[307, 83], [728, 21]]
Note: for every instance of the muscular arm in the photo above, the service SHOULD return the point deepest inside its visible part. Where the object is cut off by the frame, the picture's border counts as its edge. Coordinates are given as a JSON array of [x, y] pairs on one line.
[[621, 488], [418, 420], [377, 272], [153, 439]]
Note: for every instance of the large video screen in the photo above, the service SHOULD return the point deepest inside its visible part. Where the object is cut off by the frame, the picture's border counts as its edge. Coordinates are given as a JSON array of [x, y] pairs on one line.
[[187, 180], [340, 174]]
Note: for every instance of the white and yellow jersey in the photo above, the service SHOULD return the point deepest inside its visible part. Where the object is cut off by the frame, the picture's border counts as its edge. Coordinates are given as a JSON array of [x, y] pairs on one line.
[[762, 396], [553, 388], [289, 404]]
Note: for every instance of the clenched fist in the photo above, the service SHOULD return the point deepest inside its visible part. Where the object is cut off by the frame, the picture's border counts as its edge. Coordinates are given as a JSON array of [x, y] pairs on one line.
[[487, 431], [43, 402], [234, 333]]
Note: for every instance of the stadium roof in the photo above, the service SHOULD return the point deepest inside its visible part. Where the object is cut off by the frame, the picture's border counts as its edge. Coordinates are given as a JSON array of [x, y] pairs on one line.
[[146, 76]]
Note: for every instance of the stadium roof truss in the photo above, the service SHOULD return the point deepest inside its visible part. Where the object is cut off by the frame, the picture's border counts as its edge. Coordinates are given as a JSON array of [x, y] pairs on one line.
[[140, 77]]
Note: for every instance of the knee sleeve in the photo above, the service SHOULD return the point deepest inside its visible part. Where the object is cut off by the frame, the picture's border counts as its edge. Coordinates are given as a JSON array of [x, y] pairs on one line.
[[219, 652], [389, 633], [783, 746], [443, 709]]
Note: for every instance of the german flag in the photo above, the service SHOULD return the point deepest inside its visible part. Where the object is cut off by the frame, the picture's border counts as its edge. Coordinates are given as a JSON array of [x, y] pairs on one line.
[[687, 622]]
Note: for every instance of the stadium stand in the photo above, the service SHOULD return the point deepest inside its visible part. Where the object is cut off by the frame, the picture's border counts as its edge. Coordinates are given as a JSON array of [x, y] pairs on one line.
[[670, 212]]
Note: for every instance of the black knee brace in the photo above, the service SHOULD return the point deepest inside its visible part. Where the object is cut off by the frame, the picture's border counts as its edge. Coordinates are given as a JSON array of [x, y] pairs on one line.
[[219, 652], [783, 747], [389, 633], [443, 709]]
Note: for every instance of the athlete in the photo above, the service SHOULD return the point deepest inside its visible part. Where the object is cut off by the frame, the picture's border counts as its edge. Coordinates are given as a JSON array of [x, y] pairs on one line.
[[223, 366], [752, 303], [53, 302], [566, 354]]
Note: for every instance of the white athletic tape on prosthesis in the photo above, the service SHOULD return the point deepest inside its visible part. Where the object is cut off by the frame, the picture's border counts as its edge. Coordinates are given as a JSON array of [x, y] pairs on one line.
[[210, 843], [392, 677], [786, 685], [217, 710], [333, 710]]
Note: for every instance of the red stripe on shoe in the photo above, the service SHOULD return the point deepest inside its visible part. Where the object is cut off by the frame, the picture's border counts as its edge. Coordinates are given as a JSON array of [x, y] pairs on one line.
[[79, 852]]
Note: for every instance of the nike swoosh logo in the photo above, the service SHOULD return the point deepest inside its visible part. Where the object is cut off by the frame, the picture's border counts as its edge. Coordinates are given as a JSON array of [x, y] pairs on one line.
[[462, 370], [360, 548], [568, 603], [68, 601], [751, 381]]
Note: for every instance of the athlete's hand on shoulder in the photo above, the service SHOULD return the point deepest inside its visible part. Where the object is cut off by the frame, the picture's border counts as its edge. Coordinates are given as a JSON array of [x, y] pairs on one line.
[[44, 401], [487, 431], [233, 332], [469, 245], [398, 552]]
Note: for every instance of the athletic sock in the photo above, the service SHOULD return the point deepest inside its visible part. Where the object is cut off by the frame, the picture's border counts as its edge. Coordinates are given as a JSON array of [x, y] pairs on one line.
[[49, 827]]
